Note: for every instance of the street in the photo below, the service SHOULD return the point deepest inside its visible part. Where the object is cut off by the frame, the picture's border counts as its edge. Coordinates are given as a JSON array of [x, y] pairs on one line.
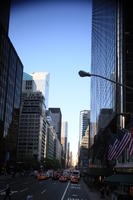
[[48, 189]]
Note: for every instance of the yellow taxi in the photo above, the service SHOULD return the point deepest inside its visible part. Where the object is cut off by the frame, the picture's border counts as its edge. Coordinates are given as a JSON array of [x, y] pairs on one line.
[[41, 177]]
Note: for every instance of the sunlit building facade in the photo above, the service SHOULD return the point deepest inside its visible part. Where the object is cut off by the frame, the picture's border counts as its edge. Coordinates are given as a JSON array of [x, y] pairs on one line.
[[32, 127], [64, 137], [42, 83], [83, 123]]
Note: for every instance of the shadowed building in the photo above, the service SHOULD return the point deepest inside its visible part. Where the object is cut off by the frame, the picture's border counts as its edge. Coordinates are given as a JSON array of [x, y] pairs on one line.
[[56, 116], [4, 14], [112, 57], [11, 71]]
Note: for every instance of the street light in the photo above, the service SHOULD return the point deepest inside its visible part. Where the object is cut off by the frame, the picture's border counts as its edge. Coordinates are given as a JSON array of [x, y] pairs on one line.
[[84, 74], [87, 74]]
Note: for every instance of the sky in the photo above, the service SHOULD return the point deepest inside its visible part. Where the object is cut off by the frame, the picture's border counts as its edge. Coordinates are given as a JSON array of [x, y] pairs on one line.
[[55, 37]]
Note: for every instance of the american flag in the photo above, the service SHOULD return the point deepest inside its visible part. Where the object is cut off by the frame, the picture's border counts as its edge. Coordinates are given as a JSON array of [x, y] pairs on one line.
[[112, 147], [131, 143], [124, 139]]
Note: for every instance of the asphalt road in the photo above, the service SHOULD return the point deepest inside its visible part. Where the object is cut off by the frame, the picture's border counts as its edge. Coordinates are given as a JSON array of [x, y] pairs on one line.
[[49, 189]]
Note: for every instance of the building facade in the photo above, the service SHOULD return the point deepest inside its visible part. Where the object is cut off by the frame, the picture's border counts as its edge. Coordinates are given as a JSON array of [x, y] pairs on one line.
[[11, 71], [112, 47], [50, 143], [64, 137], [103, 61], [84, 149], [56, 117], [42, 84], [83, 123], [32, 128], [4, 14]]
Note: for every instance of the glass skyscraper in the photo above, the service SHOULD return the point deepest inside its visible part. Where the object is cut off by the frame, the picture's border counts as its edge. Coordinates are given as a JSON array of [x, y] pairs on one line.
[[11, 71], [112, 47]]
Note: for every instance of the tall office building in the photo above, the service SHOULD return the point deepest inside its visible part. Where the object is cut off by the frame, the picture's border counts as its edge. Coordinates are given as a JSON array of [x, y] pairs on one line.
[[83, 123], [112, 47], [84, 151], [4, 14], [68, 154], [11, 71], [32, 128], [111, 104], [103, 57], [42, 83], [28, 83], [56, 116], [64, 137]]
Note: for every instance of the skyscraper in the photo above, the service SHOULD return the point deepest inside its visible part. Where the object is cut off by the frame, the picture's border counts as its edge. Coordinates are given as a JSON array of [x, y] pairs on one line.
[[28, 83], [112, 47], [42, 83], [83, 123], [56, 116], [11, 71], [64, 137], [32, 128], [103, 57], [4, 14]]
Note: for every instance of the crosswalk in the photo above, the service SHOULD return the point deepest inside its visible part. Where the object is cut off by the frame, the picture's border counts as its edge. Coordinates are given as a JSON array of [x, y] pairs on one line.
[[76, 199]]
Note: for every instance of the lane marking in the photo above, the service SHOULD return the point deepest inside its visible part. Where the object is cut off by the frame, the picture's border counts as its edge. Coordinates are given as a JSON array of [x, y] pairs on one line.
[[25, 189], [65, 191], [43, 191], [74, 195], [13, 192], [72, 187], [73, 199], [2, 193], [2, 190]]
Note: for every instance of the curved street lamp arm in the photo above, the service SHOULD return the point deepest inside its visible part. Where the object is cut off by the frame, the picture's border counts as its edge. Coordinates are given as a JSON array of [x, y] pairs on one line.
[[123, 85], [84, 74]]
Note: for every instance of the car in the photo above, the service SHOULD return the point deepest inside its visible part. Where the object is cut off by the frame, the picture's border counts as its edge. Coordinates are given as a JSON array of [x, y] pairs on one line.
[[41, 177], [62, 179], [74, 179], [55, 176]]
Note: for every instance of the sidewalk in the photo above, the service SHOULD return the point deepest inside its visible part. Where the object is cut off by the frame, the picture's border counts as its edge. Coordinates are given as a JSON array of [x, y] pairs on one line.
[[94, 195], [5, 177]]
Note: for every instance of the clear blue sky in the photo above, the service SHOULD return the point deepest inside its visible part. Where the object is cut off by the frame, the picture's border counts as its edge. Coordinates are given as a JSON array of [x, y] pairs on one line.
[[54, 36]]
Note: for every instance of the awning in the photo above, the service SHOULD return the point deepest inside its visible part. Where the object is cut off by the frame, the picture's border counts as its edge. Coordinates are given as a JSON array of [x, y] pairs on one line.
[[99, 171], [120, 179]]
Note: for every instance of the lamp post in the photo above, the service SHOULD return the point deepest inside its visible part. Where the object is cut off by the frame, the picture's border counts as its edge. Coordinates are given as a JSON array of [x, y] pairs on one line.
[[85, 74]]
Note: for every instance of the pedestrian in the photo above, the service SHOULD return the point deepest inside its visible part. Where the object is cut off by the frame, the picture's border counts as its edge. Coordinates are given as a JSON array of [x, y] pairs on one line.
[[107, 190], [29, 197], [8, 192], [102, 191]]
